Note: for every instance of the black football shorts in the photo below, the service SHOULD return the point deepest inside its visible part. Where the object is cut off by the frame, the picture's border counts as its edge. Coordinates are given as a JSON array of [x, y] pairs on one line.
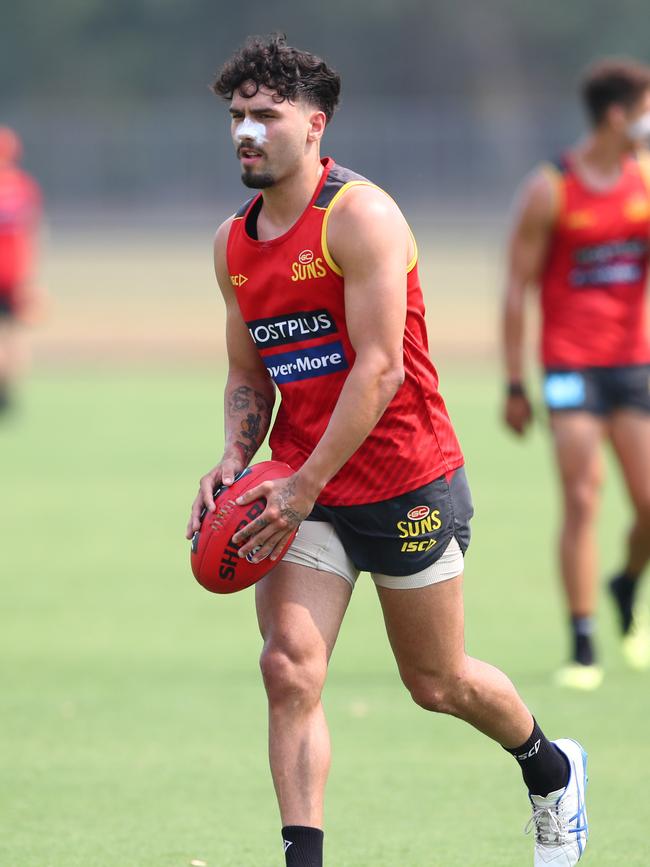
[[405, 534], [598, 390]]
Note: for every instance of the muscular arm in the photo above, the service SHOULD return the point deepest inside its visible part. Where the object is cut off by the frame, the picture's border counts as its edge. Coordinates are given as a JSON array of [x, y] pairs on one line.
[[369, 239], [247, 415], [527, 250], [249, 394]]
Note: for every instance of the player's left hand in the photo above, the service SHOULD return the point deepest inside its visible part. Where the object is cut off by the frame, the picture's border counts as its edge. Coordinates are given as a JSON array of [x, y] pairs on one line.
[[287, 505], [518, 413]]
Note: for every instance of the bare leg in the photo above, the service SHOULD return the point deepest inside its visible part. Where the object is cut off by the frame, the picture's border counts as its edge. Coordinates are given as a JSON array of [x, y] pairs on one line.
[[425, 628], [300, 612], [630, 435], [577, 438]]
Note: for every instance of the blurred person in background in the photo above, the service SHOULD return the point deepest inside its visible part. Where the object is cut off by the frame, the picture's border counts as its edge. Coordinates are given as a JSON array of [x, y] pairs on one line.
[[580, 234], [319, 276], [20, 212]]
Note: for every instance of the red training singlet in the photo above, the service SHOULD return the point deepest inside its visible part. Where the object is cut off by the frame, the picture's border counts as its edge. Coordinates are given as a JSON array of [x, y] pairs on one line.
[[20, 203], [290, 292], [593, 284]]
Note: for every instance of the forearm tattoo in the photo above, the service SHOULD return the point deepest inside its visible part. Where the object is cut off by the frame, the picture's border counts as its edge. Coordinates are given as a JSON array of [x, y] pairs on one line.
[[292, 517], [253, 412]]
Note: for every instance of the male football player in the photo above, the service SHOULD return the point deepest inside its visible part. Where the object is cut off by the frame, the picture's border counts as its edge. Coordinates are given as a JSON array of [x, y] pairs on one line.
[[581, 234], [318, 271]]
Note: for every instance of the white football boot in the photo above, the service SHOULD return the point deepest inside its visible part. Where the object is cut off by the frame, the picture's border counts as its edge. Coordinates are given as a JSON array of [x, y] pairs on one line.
[[560, 819]]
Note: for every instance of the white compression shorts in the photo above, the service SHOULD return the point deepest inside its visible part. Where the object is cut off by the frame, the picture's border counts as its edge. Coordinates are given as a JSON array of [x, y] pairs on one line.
[[318, 546]]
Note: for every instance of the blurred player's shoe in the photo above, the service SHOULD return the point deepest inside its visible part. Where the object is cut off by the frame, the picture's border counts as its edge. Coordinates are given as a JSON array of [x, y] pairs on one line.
[[560, 819], [577, 676], [633, 621], [636, 642]]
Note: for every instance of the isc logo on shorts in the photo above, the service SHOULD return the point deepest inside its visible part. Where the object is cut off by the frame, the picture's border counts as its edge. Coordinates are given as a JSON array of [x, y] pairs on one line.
[[418, 547], [421, 521]]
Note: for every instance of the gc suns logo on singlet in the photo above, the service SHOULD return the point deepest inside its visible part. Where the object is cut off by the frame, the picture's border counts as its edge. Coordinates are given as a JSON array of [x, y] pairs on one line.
[[307, 267], [299, 327]]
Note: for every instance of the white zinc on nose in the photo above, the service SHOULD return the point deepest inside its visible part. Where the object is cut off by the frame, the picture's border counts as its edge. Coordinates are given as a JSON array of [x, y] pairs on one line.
[[640, 129], [252, 130]]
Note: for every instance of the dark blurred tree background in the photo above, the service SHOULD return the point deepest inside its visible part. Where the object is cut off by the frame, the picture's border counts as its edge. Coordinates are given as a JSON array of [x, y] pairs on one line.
[[441, 100]]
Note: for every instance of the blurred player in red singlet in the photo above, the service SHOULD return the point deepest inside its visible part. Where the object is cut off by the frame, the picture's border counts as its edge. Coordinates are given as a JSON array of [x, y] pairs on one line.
[[582, 233], [319, 275], [20, 208]]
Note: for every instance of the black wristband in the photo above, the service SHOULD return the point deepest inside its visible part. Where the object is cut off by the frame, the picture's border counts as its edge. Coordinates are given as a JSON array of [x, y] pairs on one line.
[[516, 389]]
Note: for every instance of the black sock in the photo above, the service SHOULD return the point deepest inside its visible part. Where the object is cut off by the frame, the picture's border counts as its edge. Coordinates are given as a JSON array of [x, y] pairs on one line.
[[582, 629], [303, 846], [623, 588], [544, 767]]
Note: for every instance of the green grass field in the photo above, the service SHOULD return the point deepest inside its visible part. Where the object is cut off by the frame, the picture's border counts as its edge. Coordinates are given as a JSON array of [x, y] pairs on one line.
[[132, 714], [132, 718]]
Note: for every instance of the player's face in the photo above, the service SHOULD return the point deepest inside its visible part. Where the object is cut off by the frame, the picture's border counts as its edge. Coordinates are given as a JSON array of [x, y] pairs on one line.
[[269, 136]]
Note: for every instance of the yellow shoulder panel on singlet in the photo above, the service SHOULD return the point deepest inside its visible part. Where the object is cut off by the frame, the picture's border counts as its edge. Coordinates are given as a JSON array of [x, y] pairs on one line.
[[326, 252]]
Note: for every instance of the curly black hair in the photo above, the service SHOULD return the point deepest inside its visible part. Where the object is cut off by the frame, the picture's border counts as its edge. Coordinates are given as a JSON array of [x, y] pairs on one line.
[[613, 81], [267, 61]]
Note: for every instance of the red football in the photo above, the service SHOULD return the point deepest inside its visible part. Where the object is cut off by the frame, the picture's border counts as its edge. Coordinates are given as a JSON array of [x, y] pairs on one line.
[[215, 560]]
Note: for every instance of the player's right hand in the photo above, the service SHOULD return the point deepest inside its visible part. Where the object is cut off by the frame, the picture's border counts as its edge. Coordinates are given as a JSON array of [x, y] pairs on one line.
[[223, 474], [517, 413]]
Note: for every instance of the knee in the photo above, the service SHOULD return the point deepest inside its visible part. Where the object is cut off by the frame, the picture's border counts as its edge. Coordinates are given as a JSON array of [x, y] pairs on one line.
[[291, 676], [582, 500], [446, 693]]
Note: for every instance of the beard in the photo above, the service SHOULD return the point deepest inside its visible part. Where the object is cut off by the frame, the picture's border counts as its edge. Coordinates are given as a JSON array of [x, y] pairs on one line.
[[260, 181]]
